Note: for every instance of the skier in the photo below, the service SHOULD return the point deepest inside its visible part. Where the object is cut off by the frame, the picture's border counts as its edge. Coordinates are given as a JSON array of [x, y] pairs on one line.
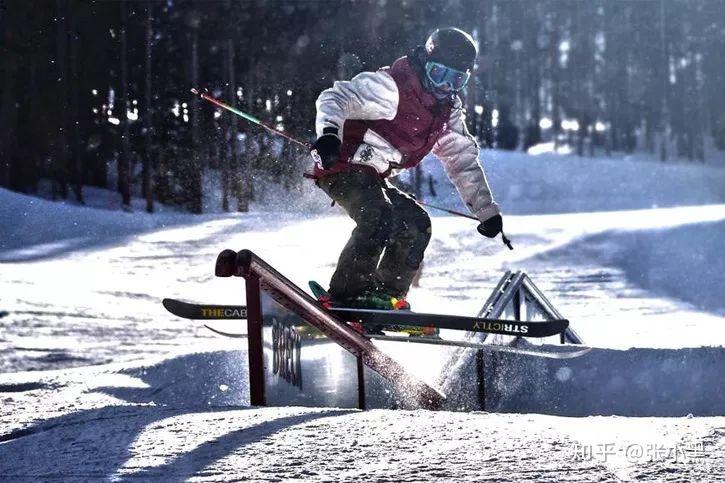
[[376, 124]]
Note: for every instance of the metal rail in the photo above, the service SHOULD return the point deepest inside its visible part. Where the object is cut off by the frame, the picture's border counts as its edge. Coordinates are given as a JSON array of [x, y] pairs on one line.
[[261, 277]]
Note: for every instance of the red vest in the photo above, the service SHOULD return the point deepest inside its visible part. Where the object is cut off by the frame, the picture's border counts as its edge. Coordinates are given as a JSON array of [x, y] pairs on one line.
[[417, 125]]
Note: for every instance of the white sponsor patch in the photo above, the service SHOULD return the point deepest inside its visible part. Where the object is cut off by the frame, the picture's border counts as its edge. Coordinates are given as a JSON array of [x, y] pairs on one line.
[[376, 152]]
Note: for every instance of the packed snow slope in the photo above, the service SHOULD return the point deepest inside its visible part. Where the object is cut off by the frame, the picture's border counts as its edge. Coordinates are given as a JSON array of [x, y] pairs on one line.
[[551, 183], [626, 249], [187, 418], [82, 286]]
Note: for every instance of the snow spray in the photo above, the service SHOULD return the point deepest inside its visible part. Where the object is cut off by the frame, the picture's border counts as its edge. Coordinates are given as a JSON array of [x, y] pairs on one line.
[[273, 130]]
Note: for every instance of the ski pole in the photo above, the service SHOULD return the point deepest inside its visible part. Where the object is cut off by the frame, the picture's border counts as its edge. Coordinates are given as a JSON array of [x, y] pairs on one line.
[[274, 130], [505, 239], [248, 117]]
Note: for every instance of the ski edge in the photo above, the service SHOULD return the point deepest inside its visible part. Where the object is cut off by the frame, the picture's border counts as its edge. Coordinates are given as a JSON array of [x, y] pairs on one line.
[[568, 354], [231, 335]]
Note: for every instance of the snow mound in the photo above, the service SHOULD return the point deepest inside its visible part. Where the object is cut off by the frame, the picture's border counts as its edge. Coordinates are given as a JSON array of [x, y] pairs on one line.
[[683, 262], [218, 378], [93, 436], [555, 183], [34, 226], [635, 382]]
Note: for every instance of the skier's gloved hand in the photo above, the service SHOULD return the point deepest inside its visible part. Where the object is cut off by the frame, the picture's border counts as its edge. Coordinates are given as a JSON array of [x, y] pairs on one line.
[[491, 227], [328, 147]]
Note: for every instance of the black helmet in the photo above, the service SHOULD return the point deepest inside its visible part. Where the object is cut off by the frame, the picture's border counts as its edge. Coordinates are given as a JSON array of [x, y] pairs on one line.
[[451, 47]]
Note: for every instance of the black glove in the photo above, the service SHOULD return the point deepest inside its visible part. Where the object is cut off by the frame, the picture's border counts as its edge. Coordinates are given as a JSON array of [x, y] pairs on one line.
[[328, 147], [491, 227]]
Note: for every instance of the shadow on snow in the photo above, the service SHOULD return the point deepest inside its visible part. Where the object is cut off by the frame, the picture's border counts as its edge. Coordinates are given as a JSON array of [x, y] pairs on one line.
[[98, 443]]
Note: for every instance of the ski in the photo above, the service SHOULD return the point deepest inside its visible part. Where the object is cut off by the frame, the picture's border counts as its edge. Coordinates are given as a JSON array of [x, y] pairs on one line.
[[387, 318], [319, 292], [235, 312], [232, 335], [532, 350], [455, 322], [567, 353], [187, 310]]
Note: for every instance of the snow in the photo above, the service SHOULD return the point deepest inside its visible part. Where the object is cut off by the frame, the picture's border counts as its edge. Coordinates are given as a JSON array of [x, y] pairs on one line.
[[99, 382], [171, 419], [154, 422], [551, 183]]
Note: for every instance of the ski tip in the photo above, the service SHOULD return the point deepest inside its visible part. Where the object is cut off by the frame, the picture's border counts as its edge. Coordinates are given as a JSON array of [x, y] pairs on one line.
[[172, 305], [318, 290]]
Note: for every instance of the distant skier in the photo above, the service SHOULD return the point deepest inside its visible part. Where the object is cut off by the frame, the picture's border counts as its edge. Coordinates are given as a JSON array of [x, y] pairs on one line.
[[384, 121]]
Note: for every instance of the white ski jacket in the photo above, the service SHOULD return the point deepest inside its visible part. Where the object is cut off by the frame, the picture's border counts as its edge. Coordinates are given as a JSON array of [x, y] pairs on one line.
[[374, 96]]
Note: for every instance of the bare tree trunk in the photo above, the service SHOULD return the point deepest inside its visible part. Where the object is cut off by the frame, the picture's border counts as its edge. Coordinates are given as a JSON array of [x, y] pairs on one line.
[[230, 161], [701, 109], [243, 176], [8, 120], [196, 167], [664, 127], [60, 184], [555, 89], [148, 118], [418, 181], [124, 174], [76, 149], [615, 76], [34, 110], [8, 111], [243, 189]]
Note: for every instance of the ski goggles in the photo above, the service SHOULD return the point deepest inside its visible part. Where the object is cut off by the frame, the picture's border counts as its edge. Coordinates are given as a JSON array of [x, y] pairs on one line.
[[440, 75]]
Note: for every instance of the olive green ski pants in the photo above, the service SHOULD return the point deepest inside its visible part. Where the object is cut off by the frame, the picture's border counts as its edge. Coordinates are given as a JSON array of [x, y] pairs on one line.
[[389, 223]]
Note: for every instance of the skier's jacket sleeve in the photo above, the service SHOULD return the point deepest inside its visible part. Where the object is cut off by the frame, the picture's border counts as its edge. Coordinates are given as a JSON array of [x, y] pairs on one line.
[[368, 96], [375, 95], [458, 151]]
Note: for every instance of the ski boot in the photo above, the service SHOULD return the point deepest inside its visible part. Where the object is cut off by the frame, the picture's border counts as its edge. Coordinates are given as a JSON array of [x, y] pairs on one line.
[[377, 300], [382, 301], [430, 332]]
